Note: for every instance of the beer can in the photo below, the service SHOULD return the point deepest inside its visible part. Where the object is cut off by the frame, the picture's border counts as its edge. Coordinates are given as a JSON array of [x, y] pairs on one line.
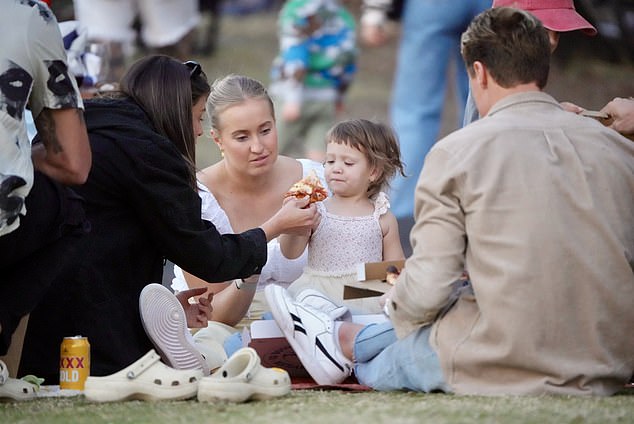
[[74, 363]]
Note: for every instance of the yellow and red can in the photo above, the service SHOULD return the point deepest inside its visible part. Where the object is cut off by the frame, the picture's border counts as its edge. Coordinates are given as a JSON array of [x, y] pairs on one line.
[[74, 363]]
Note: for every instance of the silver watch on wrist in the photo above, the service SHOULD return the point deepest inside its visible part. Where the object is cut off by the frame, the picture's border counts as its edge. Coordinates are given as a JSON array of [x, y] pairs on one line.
[[250, 282]]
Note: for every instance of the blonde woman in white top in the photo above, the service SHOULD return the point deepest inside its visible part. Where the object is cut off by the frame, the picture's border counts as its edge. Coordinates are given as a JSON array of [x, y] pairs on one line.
[[246, 186]]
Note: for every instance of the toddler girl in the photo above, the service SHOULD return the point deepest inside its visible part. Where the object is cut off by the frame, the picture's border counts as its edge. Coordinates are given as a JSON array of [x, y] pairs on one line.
[[356, 225]]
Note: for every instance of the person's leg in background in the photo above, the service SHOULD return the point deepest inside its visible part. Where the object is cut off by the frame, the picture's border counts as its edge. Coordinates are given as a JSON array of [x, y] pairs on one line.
[[209, 29], [290, 135], [430, 39], [321, 115], [36, 252], [168, 26], [109, 24]]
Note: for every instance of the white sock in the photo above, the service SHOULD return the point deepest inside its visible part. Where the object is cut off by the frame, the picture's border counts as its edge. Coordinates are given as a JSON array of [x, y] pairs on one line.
[[337, 343]]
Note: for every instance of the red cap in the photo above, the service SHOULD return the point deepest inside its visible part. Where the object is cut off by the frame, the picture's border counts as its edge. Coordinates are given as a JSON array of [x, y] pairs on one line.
[[556, 15]]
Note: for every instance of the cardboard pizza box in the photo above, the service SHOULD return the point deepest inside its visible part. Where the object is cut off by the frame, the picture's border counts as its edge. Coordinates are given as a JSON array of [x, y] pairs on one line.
[[371, 276]]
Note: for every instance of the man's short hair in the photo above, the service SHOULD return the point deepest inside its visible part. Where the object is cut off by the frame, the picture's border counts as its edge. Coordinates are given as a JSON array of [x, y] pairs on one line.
[[511, 43]]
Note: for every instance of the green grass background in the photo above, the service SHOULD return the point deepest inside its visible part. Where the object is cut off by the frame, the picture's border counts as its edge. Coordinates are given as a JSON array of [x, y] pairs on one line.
[[330, 407]]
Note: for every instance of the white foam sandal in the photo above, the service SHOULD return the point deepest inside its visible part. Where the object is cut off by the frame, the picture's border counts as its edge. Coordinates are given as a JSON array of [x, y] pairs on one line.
[[146, 379], [13, 389], [243, 378]]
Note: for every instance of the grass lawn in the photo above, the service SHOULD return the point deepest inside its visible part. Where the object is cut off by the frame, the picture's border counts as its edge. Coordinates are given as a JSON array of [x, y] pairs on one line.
[[308, 406]]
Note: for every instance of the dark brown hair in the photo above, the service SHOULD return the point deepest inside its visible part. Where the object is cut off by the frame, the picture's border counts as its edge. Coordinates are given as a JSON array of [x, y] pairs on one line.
[[166, 91], [377, 142], [511, 43]]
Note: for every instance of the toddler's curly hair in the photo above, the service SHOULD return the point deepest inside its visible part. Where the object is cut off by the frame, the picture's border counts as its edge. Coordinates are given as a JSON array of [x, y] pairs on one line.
[[379, 144]]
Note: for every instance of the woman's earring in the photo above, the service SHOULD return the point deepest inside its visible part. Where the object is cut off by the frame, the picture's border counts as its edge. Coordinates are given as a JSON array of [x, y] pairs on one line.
[[222, 153]]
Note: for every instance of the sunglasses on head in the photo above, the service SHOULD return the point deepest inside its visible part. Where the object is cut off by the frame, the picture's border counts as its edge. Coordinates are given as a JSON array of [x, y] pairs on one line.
[[194, 68]]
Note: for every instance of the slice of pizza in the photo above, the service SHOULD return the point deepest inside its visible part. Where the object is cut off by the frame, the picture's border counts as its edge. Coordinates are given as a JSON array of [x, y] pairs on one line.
[[392, 274], [309, 186]]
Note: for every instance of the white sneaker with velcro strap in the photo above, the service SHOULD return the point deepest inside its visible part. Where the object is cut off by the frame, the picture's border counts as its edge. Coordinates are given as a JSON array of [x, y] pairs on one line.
[[317, 300], [310, 332]]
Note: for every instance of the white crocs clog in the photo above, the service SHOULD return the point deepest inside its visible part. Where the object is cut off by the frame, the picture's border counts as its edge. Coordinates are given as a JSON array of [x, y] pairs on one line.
[[243, 378], [13, 389], [146, 379]]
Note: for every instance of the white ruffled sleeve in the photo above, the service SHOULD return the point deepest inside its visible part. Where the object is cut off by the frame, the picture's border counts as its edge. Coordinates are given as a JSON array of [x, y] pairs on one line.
[[381, 204], [211, 210]]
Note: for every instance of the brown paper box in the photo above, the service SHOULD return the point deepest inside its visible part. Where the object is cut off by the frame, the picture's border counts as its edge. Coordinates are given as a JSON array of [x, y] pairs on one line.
[[371, 276], [273, 348]]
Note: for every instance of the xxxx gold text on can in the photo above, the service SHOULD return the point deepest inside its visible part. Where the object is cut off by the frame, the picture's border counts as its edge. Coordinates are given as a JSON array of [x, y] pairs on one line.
[[74, 363]]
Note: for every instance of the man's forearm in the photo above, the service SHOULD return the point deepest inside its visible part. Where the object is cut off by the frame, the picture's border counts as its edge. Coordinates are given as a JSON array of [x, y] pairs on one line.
[[64, 153]]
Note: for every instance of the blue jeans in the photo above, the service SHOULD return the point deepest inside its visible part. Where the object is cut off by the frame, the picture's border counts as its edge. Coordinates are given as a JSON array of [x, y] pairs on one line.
[[471, 113], [385, 363], [430, 39]]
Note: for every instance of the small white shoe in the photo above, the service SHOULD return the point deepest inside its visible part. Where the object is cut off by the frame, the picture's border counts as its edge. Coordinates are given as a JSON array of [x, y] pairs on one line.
[[146, 379], [13, 389], [310, 332], [317, 300], [165, 323], [243, 378]]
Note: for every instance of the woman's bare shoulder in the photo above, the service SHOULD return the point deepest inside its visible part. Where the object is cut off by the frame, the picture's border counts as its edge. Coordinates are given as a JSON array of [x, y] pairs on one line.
[[210, 175], [289, 167]]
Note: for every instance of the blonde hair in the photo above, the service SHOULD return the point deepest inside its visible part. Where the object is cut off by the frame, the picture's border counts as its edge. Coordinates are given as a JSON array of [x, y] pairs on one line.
[[377, 142], [231, 90]]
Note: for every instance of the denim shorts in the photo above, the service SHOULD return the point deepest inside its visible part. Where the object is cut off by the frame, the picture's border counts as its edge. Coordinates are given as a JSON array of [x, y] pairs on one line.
[[386, 363]]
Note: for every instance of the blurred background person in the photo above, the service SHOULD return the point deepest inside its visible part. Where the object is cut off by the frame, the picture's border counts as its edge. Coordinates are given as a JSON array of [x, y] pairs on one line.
[[430, 35], [40, 218], [557, 16], [166, 27], [311, 73]]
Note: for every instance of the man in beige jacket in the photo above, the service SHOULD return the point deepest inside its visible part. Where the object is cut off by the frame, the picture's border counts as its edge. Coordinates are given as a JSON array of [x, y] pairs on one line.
[[536, 203]]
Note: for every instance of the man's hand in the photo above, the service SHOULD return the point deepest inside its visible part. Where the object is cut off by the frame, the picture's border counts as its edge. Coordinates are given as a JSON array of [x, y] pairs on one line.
[[198, 312], [621, 111], [571, 107]]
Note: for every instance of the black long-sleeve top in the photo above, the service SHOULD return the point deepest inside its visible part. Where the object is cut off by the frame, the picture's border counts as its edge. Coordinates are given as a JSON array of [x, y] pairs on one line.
[[142, 210]]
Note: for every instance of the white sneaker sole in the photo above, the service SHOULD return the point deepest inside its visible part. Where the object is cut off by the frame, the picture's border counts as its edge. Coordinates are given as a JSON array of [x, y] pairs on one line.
[[165, 323], [145, 379], [122, 391], [210, 391]]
